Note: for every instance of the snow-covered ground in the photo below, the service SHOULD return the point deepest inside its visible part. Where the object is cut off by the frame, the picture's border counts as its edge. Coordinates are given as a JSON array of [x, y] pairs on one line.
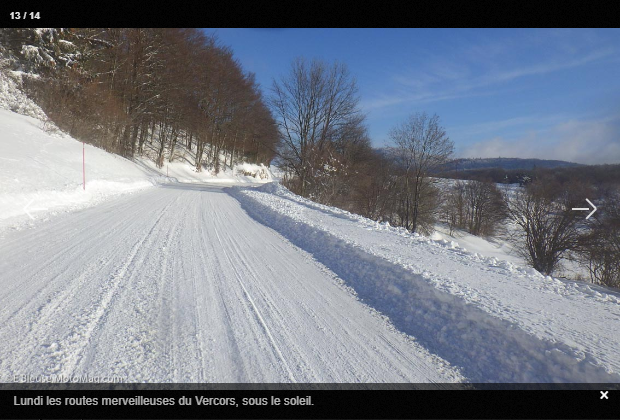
[[489, 247], [41, 168], [495, 320], [203, 283], [500, 247]]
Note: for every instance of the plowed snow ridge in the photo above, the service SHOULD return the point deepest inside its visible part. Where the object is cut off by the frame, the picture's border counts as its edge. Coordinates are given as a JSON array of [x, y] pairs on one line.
[[495, 321]]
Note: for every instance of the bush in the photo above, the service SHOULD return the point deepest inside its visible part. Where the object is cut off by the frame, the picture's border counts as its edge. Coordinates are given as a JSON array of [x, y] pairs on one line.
[[599, 249], [474, 206]]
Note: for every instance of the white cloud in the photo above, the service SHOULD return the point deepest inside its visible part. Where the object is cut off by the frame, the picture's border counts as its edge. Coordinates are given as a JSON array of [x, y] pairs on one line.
[[590, 142], [491, 126]]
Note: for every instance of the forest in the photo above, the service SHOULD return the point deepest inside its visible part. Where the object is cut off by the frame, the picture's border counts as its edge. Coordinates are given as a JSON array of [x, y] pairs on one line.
[[117, 88]]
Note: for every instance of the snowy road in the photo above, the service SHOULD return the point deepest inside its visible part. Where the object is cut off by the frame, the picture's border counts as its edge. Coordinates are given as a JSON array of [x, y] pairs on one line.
[[179, 284]]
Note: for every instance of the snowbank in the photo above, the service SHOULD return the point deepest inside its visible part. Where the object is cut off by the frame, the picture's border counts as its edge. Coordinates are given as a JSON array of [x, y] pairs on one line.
[[41, 173]]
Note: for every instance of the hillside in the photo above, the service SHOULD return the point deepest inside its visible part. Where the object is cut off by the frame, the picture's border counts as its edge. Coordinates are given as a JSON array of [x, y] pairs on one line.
[[119, 88], [464, 164], [41, 167], [41, 173]]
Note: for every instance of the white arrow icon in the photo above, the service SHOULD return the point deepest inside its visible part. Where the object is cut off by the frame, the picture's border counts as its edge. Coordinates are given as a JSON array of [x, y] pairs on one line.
[[587, 208], [28, 212]]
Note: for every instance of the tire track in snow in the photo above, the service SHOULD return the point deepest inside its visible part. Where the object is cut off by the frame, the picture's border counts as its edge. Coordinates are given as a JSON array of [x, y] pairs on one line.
[[214, 322], [167, 324], [257, 313], [47, 355], [187, 359], [337, 346], [128, 328], [53, 264], [64, 343], [97, 315], [280, 317], [38, 324]]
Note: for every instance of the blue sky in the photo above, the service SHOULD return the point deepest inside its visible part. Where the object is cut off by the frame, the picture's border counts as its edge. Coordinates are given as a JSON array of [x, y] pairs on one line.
[[542, 93]]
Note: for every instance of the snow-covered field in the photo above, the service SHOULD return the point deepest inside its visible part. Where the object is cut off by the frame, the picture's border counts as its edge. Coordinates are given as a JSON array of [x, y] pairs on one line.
[[500, 247], [497, 248]]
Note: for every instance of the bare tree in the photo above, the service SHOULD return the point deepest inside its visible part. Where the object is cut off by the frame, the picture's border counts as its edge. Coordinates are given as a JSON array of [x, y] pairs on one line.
[[475, 206], [421, 146], [453, 206], [548, 228], [315, 106], [599, 248], [373, 194], [485, 208]]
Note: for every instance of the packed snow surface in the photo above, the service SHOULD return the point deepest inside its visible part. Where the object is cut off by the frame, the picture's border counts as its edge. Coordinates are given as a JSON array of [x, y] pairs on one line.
[[199, 283]]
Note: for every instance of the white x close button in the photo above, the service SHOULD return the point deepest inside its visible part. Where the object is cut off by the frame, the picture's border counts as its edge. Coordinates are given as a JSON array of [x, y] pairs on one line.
[[604, 395]]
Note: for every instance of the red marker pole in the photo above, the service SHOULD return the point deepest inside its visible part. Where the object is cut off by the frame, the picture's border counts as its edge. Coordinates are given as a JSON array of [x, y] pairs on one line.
[[83, 167]]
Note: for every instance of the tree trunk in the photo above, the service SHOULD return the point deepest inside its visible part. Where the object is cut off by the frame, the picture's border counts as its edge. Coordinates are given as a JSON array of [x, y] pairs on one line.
[[162, 144], [134, 137], [125, 148], [200, 145], [173, 140], [143, 134]]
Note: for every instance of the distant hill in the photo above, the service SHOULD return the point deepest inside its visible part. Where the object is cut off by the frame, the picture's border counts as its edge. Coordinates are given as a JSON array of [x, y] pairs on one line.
[[464, 164]]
